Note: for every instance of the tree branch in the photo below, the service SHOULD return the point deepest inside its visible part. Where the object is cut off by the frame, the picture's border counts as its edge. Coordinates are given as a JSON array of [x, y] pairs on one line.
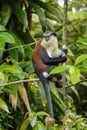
[[64, 42], [68, 86], [19, 81]]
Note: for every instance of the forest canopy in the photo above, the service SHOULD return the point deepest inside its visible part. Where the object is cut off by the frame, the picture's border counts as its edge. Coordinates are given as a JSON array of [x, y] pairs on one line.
[[23, 103]]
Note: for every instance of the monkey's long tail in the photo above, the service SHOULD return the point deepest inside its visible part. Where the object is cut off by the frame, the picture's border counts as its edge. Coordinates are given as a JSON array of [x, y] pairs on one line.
[[48, 96]]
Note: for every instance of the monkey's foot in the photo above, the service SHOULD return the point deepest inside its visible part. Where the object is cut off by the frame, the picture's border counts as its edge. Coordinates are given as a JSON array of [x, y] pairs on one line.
[[59, 84]]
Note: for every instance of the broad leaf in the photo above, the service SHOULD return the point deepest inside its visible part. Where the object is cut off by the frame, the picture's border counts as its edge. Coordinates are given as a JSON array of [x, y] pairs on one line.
[[3, 106], [42, 4], [20, 13], [12, 39], [25, 124], [74, 74], [1, 78], [9, 68], [2, 46], [80, 59], [83, 41], [28, 52], [42, 113], [39, 126], [40, 14], [85, 64], [13, 53], [42, 94], [50, 26], [26, 38], [17, 44], [55, 13], [56, 96], [59, 69], [58, 101], [76, 92], [2, 28], [7, 37], [5, 14], [11, 89]]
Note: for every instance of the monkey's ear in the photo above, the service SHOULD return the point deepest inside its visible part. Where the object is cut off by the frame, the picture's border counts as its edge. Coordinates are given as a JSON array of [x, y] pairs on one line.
[[54, 33]]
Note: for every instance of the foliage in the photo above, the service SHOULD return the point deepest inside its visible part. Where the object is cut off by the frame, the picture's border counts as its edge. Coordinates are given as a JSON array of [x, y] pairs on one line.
[[21, 26], [74, 70]]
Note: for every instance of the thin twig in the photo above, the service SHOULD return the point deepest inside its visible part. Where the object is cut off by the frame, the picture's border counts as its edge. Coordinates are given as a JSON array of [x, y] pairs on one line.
[[19, 81], [15, 47], [31, 80], [85, 80]]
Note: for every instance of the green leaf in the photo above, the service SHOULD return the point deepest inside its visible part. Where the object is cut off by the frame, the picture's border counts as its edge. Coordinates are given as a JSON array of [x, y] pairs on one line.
[[80, 59], [85, 64], [13, 53], [25, 124], [55, 13], [11, 89], [58, 101], [82, 40], [56, 96], [28, 52], [49, 25], [2, 46], [24, 64], [7, 37], [58, 14], [39, 126], [5, 14], [59, 69], [74, 74], [17, 43], [21, 14], [2, 28], [42, 94], [76, 92], [2, 79], [12, 39], [3, 106], [9, 68], [26, 38], [42, 4], [42, 113], [40, 14]]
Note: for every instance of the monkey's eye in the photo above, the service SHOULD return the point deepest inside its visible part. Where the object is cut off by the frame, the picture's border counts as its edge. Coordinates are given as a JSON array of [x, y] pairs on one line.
[[47, 38]]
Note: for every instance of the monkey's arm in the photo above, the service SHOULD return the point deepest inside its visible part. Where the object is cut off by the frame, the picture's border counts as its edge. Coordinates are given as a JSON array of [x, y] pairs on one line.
[[52, 61]]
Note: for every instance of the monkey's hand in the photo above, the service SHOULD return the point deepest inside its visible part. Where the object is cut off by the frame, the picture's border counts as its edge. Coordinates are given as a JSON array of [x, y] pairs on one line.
[[65, 49]]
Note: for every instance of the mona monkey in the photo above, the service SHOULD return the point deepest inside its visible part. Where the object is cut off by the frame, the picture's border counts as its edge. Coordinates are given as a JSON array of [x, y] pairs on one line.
[[46, 56]]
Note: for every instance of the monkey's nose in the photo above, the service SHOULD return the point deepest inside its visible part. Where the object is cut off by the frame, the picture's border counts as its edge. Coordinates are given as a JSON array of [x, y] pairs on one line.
[[47, 38]]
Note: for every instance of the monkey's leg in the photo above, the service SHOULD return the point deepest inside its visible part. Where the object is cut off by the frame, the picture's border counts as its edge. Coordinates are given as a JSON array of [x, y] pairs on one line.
[[57, 79], [59, 82]]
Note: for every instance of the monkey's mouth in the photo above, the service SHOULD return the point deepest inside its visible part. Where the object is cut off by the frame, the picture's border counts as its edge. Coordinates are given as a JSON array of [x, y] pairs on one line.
[[47, 44]]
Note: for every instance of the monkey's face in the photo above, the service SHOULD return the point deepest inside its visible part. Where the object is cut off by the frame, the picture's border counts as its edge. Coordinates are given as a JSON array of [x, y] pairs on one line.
[[49, 40]]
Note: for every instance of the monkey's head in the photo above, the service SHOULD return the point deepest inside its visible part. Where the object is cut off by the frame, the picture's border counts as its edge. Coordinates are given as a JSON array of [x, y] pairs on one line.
[[49, 40]]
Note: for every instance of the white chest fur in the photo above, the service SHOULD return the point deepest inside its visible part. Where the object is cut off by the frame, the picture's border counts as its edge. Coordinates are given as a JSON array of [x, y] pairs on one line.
[[54, 53]]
